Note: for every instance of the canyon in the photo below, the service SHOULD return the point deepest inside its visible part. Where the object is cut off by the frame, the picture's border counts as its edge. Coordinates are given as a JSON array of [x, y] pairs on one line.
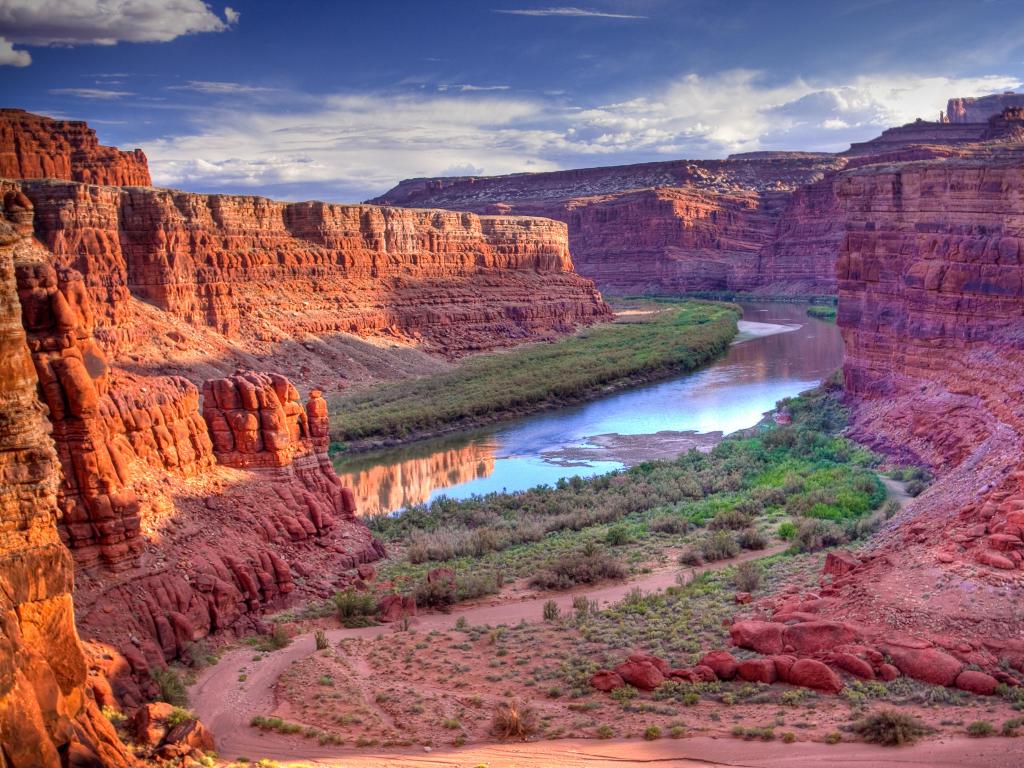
[[164, 480]]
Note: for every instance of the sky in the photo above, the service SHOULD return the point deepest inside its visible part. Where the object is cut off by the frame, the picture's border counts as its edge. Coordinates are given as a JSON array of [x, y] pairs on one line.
[[341, 100]]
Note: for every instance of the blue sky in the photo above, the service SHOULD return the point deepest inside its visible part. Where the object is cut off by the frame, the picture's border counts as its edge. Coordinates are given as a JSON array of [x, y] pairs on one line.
[[340, 100]]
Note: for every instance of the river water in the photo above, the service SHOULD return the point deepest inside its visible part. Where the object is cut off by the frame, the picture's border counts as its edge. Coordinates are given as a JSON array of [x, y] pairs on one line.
[[779, 352]]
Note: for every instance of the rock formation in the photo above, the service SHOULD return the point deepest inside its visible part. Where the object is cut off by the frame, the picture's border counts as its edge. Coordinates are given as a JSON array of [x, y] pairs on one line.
[[978, 109], [676, 226], [48, 716], [36, 147], [172, 273]]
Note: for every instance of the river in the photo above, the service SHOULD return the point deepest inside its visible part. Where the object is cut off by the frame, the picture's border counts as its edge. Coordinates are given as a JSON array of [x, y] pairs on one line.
[[778, 353]]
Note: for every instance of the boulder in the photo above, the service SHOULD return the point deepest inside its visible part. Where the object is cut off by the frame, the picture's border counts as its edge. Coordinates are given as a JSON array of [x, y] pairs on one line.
[[928, 665], [809, 673], [703, 674], [191, 734], [839, 563], [811, 637], [757, 671], [722, 663], [661, 664], [606, 680], [976, 682], [642, 675], [147, 725], [395, 607], [855, 665], [888, 672], [761, 636]]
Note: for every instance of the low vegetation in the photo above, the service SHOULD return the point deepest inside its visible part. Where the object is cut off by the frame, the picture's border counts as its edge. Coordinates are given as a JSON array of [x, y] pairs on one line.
[[802, 482], [890, 728], [514, 720], [672, 337], [822, 312]]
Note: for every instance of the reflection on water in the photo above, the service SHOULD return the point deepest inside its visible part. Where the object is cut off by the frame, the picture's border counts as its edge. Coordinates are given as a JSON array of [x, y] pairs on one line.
[[730, 394]]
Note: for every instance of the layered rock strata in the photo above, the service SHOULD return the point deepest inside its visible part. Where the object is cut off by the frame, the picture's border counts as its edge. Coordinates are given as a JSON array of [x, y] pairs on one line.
[[450, 283], [35, 147], [979, 109], [673, 227], [48, 715]]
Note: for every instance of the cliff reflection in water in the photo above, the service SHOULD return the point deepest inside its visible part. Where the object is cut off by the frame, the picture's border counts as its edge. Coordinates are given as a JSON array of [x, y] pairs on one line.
[[779, 353], [410, 476]]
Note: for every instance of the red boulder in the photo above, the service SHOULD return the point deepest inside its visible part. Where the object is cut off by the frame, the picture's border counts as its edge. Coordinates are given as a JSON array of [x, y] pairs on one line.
[[925, 664], [757, 671], [606, 680], [855, 665], [722, 663], [813, 637], [888, 672], [976, 682], [761, 636], [809, 673], [640, 674]]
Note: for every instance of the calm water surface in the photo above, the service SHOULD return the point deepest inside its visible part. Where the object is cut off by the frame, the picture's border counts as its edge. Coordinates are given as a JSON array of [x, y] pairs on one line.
[[730, 394]]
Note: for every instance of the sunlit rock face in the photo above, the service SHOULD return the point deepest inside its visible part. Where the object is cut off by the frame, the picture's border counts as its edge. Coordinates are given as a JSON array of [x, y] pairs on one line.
[[35, 147], [979, 109], [46, 707]]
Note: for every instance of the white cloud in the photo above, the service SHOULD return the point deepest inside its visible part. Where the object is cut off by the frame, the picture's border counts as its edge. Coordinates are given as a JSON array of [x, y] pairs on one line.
[[217, 87], [91, 93], [468, 88], [567, 11], [355, 146], [12, 58], [107, 22]]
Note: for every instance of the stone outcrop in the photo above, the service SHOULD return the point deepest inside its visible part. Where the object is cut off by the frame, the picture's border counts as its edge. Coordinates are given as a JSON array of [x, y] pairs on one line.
[[978, 109], [677, 226], [46, 708], [36, 147], [451, 283]]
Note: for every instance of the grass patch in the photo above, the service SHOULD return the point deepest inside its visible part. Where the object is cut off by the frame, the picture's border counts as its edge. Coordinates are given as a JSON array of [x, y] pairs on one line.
[[820, 312], [675, 337]]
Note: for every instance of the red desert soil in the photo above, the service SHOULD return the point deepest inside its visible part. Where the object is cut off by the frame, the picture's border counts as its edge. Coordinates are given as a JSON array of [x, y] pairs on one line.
[[284, 683]]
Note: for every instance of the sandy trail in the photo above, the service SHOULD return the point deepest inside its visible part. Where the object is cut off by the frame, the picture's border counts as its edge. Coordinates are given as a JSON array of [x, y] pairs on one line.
[[226, 705]]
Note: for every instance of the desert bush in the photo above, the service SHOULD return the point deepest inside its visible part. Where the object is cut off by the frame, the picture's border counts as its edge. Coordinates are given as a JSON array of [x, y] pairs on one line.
[[321, 640], [652, 733], [551, 611], [669, 524], [813, 534], [915, 487], [354, 608], [748, 576], [172, 687], [584, 566], [730, 519], [513, 720], [719, 545], [434, 594], [691, 556], [980, 728], [787, 531], [890, 727], [618, 535], [751, 538], [178, 716]]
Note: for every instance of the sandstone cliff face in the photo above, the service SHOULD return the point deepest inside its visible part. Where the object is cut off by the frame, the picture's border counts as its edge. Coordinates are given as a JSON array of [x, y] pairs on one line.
[[931, 296], [45, 707], [979, 109], [677, 226], [34, 147], [451, 283]]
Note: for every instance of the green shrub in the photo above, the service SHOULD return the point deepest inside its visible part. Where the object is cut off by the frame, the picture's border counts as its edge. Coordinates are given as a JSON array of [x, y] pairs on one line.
[[354, 608], [890, 727], [551, 611], [980, 728], [730, 519], [652, 733], [172, 687], [604, 732], [813, 534], [787, 531], [691, 556], [178, 716], [618, 535]]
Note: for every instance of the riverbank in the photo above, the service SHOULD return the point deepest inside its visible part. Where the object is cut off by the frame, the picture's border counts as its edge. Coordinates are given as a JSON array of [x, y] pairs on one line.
[[649, 340]]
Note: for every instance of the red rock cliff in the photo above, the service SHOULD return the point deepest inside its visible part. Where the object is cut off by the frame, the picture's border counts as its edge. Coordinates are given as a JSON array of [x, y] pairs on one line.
[[978, 109], [46, 708], [675, 226], [453, 283], [34, 147]]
